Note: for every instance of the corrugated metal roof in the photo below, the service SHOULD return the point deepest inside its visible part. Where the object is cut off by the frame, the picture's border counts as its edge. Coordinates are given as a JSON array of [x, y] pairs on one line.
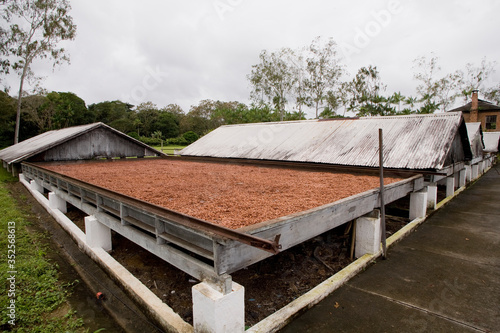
[[35, 145], [491, 142], [411, 142], [475, 135]]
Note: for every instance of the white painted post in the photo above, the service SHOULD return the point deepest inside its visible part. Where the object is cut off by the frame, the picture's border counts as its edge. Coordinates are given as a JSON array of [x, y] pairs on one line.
[[97, 234], [368, 234], [36, 187], [462, 178], [450, 185], [468, 174], [418, 204], [475, 170], [431, 197], [56, 202], [214, 312]]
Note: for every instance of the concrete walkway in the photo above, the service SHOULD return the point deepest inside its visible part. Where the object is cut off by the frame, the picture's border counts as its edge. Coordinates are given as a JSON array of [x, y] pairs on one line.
[[444, 277]]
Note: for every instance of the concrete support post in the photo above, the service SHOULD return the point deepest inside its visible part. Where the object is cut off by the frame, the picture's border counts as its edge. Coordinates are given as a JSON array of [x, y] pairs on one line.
[[450, 185], [368, 234], [56, 202], [481, 167], [97, 234], [214, 312], [418, 204], [462, 178], [468, 174], [475, 171], [36, 187], [432, 191]]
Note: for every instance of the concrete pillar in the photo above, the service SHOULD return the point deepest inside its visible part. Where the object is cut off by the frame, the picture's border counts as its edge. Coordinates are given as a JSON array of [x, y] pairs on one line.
[[418, 204], [56, 202], [462, 178], [468, 174], [450, 185], [432, 191], [214, 312], [481, 167], [36, 187], [97, 234], [475, 171], [368, 234]]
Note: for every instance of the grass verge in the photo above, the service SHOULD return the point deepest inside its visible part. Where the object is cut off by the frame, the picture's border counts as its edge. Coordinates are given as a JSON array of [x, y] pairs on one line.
[[169, 149], [32, 299]]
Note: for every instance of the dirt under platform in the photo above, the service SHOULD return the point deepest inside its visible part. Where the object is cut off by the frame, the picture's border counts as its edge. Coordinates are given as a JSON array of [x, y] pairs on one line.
[[269, 285], [230, 195]]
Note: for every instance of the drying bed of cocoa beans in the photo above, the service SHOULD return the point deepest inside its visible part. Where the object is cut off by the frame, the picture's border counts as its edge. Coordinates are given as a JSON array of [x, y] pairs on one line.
[[231, 195]]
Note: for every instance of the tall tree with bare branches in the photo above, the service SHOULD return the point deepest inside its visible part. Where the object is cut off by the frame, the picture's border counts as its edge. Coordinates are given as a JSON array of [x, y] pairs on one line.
[[35, 31]]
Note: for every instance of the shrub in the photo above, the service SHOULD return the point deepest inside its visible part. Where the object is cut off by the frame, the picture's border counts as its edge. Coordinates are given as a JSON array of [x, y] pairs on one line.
[[190, 136]]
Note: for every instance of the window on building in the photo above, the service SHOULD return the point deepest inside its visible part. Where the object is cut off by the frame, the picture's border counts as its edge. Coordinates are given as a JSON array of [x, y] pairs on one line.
[[491, 122]]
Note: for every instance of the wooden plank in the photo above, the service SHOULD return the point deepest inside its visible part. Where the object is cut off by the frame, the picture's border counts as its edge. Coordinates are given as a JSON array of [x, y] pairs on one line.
[[186, 245], [139, 224]]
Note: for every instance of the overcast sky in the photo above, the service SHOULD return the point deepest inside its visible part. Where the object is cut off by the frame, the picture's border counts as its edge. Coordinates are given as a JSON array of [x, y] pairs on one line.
[[185, 51]]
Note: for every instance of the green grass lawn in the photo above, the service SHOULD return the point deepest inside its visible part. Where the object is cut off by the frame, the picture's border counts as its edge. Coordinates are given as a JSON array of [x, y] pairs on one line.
[[30, 291], [169, 149]]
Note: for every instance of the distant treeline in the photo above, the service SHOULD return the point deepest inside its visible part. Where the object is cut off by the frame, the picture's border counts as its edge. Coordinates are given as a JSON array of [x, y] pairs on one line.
[[146, 122]]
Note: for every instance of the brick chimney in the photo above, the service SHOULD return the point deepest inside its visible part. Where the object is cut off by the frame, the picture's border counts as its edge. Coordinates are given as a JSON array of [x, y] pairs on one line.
[[474, 109]]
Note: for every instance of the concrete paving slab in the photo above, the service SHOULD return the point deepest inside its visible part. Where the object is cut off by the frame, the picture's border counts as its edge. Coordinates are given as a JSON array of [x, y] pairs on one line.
[[444, 277], [470, 202], [452, 288], [458, 242], [351, 310]]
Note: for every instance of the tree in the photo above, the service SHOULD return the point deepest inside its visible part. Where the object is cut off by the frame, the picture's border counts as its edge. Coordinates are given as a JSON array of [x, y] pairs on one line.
[[299, 74], [323, 70], [7, 119], [37, 111], [427, 90], [397, 98], [148, 114], [116, 114], [38, 27], [201, 118], [169, 121], [446, 90], [68, 110], [493, 94], [365, 94], [273, 78], [473, 78]]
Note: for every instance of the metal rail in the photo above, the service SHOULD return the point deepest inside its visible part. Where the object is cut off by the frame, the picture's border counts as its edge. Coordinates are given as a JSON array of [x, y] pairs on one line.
[[195, 225]]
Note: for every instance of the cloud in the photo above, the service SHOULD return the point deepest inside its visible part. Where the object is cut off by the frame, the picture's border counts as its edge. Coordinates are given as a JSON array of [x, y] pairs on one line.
[[205, 49]]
